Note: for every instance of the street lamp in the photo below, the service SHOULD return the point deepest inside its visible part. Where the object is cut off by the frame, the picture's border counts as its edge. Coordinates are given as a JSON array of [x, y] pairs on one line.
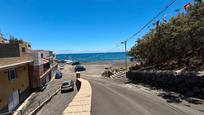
[[125, 42]]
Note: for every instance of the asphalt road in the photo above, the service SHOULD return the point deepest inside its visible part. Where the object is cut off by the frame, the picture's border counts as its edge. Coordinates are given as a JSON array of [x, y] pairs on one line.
[[113, 97], [57, 105], [59, 102], [109, 98]]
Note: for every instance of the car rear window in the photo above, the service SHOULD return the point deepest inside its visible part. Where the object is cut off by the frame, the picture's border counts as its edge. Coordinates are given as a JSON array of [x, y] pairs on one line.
[[66, 83]]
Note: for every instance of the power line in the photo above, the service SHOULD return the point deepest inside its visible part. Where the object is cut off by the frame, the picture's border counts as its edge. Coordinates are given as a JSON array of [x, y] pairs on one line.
[[125, 42], [162, 11]]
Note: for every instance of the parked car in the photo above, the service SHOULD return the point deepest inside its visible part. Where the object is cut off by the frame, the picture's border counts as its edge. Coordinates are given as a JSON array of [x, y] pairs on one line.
[[67, 85], [58, 75], [69, 61], [76, 63], [79, 68], [61, 66]]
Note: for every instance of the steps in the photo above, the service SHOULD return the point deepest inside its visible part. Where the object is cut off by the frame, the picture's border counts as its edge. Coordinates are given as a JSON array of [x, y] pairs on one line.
[[120, 74]]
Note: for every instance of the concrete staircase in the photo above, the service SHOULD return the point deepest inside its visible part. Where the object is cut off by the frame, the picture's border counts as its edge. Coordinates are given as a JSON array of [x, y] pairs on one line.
[[120, 74]]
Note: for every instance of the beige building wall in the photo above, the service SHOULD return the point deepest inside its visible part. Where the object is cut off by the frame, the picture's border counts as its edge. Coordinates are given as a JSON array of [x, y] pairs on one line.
[[1, 40], [21, 83]]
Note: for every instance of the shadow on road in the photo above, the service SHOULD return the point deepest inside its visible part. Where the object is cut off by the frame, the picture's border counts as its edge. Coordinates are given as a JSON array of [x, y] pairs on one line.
[[170, 97], [178, 98]]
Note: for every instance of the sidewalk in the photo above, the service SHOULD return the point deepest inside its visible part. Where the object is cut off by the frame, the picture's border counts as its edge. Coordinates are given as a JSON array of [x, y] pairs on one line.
[[81, 104]]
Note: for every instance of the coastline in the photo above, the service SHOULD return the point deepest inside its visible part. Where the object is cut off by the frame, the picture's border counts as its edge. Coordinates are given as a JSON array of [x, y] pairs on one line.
[[95, 69], [105, 62], [94, 57]]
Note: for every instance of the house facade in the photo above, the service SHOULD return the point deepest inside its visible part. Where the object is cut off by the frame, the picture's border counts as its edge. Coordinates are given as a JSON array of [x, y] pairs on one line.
[[44, 68], [22, 70], [14, 76], [14, 84]]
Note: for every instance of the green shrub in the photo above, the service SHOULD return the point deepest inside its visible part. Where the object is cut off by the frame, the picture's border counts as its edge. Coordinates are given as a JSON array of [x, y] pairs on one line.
[[107, 73]]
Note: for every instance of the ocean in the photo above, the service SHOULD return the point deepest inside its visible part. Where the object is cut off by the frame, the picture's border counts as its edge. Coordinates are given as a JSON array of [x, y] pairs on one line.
[[93, 57]]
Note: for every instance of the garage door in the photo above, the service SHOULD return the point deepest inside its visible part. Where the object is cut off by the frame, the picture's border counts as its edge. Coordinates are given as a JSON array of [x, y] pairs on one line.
[[13, 100]]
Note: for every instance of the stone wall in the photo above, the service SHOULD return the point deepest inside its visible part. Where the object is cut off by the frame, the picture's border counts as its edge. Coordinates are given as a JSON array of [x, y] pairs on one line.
[[188, 83], [9, 50]]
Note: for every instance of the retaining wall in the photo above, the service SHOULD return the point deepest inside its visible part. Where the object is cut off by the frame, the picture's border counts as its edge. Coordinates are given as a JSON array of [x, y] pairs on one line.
[[188, 83], [9, 50]]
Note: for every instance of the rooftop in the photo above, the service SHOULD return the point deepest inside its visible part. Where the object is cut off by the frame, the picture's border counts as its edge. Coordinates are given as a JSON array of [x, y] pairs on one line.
[[13, 61]]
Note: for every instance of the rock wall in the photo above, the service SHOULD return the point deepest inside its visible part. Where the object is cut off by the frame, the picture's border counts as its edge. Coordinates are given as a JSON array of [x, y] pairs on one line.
[[9, 50], [188, 83]]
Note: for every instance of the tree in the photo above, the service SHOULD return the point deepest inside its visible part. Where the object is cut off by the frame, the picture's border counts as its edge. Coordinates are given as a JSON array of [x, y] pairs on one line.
[[174, 39], [14, 40]]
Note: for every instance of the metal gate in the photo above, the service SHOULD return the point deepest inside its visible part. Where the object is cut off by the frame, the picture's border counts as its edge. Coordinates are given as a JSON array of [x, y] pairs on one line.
[[13, 100]]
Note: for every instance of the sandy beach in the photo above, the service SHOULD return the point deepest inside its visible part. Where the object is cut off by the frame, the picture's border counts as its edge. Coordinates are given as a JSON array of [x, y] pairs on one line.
[[95, 69]]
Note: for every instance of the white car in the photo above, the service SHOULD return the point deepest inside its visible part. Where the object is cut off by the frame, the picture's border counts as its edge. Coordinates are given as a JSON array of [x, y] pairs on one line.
[[61, 66], [67, 85], [69, 61]]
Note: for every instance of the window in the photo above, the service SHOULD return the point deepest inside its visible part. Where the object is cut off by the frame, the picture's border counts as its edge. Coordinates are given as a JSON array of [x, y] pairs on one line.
[[23, 50], [41, 55], [12, 74]]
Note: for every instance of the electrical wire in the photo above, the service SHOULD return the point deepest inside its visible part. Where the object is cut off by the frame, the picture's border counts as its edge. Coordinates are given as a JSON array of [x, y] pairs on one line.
[[162, 11]]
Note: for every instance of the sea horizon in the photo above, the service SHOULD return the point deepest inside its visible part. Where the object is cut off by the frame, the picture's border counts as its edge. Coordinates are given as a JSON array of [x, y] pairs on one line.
[[56, 52], [93, 57], [89, 52]]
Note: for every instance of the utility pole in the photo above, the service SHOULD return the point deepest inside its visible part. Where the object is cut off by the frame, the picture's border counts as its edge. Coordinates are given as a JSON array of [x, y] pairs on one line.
[[126, 65]]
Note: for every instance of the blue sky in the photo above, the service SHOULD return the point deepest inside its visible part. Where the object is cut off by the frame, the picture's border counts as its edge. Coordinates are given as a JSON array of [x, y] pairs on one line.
[[79, 25]]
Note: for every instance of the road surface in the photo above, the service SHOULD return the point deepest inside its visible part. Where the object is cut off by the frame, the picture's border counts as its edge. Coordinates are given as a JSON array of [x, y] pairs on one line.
[[111, 98], [59, 102]]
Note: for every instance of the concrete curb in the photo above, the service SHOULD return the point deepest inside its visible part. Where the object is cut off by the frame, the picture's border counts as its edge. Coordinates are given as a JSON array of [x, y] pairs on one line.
[[25, 103], [81, 104], [34, 112]]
